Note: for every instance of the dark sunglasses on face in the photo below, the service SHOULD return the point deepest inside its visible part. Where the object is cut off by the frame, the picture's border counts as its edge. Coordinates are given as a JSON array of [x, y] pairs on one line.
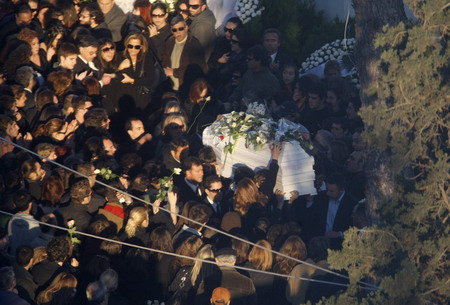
[[111, 48], [176, 127], [158, 15], [34, 10], [194, 6], [234, 41], [228, 30], [215, 190], [137, 47], [178, 30]]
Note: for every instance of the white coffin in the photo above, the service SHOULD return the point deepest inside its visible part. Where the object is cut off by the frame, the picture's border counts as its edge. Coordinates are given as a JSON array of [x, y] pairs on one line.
[[296, 166]]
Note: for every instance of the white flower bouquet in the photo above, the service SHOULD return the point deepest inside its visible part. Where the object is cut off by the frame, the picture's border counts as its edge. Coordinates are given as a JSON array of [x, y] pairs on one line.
[[335, 50], [226, 137], [257, 129], [248, 9]]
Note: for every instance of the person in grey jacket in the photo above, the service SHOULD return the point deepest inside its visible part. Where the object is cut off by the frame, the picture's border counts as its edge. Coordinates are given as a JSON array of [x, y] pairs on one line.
[[114, 18], [22, 228], [203, 25]]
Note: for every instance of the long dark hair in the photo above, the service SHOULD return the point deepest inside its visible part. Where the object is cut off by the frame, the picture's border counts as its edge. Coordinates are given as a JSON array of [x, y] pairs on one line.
[[104, 65]]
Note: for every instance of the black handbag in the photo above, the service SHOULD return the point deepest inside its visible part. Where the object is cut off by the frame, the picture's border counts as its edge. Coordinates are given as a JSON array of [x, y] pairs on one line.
[[159, 76], [142, 89]]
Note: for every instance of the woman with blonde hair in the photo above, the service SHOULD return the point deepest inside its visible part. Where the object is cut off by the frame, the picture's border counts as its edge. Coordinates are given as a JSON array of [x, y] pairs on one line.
[[261, 259], [174, 125], [200, 270], [61, 290], [137, 224], [137, 73]]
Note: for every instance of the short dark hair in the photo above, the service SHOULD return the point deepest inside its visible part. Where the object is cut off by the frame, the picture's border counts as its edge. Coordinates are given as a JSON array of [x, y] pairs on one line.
[[318, 248], [67, 49], [210, 180], [199, 213], [128, 125], [178, 142], [337, 179], [24, 254], [95, 12], [58, 249], [343, 122], [177, 18], [95, 117], [21, 199], [191, 161], [237, 21], [259, 54], [273, 31], [85, 41], [4, 122], [207, 155], [319, 89], [80, 190], [22, 7]]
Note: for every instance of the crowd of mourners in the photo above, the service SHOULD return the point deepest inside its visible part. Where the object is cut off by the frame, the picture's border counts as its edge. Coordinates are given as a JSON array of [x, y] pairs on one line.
[[123, 98]]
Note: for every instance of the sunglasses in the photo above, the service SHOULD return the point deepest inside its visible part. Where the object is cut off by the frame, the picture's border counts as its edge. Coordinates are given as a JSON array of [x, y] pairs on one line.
[[34, 10], [158, 15], [137, 47], [234, 41], [111, 48], [216, 190], [176, 127], [228, 30], [174, 30], [194, 6]]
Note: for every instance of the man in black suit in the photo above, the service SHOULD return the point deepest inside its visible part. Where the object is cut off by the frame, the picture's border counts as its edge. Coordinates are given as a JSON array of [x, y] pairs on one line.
[[277, 58], [87, 46], [77, 209], [213, 189], [178, 149], [189, 187], [331, 212]]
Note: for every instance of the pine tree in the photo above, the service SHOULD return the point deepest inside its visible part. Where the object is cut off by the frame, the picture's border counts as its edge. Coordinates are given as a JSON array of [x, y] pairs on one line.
[[404, 68]]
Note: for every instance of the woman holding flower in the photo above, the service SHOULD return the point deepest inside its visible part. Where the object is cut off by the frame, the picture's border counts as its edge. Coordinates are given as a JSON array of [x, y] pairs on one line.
[[198, 104]]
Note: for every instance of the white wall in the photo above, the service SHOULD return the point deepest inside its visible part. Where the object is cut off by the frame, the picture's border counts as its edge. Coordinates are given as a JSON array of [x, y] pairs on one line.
[[340, 8]]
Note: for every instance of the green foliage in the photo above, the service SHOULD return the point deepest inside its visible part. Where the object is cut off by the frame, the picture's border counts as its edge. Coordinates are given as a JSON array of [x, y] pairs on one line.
[[407, 254], [304, 30]]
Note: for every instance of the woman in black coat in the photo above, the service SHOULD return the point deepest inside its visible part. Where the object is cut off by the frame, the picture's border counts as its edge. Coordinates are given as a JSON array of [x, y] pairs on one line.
[[136, 73]]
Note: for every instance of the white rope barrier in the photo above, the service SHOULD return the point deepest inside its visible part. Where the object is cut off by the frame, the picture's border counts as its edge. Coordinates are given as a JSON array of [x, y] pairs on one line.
[[170, 253], [186, 218]]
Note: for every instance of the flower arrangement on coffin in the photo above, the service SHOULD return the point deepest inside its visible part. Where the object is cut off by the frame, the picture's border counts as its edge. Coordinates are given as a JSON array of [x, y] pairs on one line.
[[248, 9], [257, 129]]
